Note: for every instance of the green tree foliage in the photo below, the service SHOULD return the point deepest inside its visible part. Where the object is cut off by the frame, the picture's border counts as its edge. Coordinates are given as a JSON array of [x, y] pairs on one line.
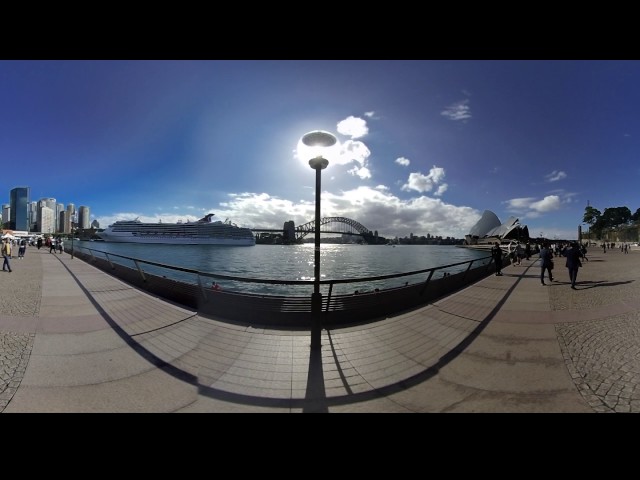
[[613, 217], [591, 215]]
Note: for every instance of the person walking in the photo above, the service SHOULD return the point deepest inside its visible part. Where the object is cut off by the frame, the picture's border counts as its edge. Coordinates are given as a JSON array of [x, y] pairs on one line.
[[573, 263], [496, 253], [22, 249], [546, 262], [6, 253]]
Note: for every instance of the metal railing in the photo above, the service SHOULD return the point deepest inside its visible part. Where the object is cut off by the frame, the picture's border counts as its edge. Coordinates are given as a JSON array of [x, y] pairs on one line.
[[189, 286]]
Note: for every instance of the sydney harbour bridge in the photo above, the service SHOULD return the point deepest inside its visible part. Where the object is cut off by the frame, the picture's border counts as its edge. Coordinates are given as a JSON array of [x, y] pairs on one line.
[[295, 234]]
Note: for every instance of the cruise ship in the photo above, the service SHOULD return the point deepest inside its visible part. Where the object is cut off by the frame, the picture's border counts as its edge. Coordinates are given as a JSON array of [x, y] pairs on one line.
[[201, 232]]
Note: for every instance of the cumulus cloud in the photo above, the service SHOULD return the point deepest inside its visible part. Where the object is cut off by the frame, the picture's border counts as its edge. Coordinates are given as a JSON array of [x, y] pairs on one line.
[[519, 203], [532, 207], [555, 176], [458, 111], [425, 183], [547, 204], [362, 172], [403, 161], [353, 127]]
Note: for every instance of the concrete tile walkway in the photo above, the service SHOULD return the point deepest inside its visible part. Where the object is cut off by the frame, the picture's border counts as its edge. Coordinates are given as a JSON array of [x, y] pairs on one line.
[[74, 339]]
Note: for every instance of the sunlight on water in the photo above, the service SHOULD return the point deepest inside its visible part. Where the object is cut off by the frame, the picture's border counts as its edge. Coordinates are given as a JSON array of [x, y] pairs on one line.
[[294, 262]]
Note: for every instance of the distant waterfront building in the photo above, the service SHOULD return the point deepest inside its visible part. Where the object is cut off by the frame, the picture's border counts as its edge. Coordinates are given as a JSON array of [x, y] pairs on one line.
[[83, 217], [46, 220], [69, 215], [289, 232], [6, 209], [33, 217], [19, 212], [489, 230], [49, 203], [95, 224], [60, 217]]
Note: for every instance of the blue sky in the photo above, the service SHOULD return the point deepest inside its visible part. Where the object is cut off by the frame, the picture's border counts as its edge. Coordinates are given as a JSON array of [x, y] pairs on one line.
[[425, 145]]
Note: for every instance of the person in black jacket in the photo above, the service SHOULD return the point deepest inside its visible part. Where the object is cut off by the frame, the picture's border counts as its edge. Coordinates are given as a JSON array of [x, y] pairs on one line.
[[496, 253], [546, 262], [573, 262]]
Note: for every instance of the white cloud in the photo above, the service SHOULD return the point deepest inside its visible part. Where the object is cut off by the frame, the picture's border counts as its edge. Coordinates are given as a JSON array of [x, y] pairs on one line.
[[441, 189], [547, 204], [425, 183], [519, 203], [403, 161], [458, 111], [353, 127], [555, 176], [362, 172], [369, 114], [532, 208]]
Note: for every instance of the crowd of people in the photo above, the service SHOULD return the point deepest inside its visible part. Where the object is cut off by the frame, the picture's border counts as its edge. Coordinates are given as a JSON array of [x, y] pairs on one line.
[[9, 244], [574, 254]]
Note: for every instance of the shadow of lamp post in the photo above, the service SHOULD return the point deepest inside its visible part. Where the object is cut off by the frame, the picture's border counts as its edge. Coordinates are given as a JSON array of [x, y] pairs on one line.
[[316, 145]]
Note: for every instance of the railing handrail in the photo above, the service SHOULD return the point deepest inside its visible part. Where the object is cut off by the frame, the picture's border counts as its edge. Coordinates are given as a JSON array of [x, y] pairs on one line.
[[286, 282]]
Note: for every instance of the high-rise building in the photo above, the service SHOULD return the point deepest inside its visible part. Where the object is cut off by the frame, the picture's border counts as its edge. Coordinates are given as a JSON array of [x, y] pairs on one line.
[[47, 220], [59, 218], [83, 217], [6, 209], [33, 217], [49, 203], [19, 212], [69, 215]]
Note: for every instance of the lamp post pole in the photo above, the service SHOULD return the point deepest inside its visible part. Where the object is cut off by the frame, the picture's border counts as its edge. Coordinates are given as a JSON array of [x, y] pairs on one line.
[[72, 238], [318, 164], [318, 140]]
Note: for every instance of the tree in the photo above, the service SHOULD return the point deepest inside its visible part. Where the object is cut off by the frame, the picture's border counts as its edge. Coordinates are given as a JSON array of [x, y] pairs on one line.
[[636, 216], [614, 217], [591, 215]]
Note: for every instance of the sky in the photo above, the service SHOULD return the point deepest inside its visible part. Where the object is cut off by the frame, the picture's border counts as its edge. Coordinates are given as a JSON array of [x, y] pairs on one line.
[[425, 146]]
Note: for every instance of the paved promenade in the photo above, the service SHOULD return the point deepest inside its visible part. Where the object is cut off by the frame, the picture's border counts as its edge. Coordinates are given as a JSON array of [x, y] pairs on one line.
[[74, 339]]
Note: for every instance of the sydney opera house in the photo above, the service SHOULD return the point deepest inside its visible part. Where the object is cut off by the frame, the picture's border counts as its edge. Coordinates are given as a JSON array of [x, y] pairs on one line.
[[489, 230]]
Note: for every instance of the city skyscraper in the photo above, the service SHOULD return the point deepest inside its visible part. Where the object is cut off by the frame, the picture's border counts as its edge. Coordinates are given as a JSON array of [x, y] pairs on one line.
[[83, 217], [19, 209]]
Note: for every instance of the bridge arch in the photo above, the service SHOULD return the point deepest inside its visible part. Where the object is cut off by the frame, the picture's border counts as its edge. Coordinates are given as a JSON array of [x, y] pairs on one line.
[[351, 227]]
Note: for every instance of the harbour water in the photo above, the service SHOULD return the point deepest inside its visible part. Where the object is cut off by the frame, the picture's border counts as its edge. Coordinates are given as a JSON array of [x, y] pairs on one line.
[[294, 262]]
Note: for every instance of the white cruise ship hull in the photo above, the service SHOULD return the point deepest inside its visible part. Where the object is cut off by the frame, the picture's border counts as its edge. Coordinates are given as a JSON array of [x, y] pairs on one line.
[[176, 240], [202, 232]]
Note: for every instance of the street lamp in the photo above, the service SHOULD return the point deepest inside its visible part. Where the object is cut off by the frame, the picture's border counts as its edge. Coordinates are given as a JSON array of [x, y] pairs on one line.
[[317, 143]]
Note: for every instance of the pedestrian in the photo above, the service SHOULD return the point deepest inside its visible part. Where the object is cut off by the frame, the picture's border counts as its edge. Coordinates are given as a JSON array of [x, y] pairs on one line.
[[573, 263], [6, 253], [22, 248], [546, 262], [519, 253], [52, 246], [496, 253], [216, 286], [583, 251]]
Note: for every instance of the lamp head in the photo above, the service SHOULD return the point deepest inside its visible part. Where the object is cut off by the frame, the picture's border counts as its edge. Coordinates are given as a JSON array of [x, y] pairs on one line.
[[319, 138], [316, 146]]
